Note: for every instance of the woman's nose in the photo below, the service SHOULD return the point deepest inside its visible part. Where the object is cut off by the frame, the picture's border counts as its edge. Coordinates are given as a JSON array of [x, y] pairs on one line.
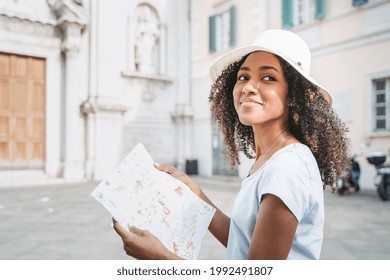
[[249, 88]]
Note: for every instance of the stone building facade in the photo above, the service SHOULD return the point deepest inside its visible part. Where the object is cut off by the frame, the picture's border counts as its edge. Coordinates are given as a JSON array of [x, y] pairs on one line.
[[349, 41], [107, 76], [83, 81]]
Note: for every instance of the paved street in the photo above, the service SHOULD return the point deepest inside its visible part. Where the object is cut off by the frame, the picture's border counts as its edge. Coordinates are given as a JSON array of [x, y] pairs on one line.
[[62, 221]]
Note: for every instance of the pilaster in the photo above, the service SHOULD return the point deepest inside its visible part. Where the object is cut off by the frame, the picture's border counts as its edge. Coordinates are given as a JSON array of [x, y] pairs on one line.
[[71, 21]]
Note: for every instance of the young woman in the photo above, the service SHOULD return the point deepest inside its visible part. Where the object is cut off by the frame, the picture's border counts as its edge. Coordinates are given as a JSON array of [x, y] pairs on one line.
[[266, 104]]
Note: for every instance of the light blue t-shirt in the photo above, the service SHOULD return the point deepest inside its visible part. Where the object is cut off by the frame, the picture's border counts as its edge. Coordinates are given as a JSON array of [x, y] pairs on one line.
[[291, 174]]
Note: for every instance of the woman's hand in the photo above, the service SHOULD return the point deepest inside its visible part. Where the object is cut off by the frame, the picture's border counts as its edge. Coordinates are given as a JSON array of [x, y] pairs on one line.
[[180, 175], [143, 245], [220, 223]]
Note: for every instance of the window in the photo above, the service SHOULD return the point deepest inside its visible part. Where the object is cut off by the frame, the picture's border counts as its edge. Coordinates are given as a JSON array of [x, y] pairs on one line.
[[299, 12], [381, 106], [222, 30], [359, 2]]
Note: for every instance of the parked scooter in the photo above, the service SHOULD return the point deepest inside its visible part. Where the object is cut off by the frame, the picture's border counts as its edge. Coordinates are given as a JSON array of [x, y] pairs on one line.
[[382, 178], [349, 180]]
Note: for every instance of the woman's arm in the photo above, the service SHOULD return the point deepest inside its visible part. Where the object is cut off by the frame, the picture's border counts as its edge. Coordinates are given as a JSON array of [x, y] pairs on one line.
[[219, 227], [220, 223], [274, 230]]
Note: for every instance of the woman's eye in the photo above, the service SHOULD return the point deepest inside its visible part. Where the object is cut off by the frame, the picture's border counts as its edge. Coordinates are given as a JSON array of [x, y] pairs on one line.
[[269, 78], [242, 78]]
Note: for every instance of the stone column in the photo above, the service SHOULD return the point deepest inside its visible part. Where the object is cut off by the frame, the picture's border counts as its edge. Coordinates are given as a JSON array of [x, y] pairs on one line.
[[73, 152], [182, 117], [88, 108], [183, 113]]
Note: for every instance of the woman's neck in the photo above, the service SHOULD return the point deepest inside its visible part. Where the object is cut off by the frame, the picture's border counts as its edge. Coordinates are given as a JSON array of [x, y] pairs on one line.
[[269, 138]]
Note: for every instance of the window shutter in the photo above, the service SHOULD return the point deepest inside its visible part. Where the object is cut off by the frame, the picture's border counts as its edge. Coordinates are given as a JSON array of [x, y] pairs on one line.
[[359, 2], [287, 15], [232, 35], [212, 45], [320, 9]]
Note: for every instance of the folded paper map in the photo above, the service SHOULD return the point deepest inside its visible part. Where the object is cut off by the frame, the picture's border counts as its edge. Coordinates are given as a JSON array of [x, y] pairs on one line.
[[137, 194]]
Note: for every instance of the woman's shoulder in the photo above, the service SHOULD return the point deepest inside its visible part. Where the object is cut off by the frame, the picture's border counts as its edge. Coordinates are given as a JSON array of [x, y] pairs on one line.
[[291, 154], [292, 160]]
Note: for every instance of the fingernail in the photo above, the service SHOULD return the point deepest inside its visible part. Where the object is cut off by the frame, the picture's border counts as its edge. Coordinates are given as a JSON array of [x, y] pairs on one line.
[[131, 228], [156, 164]]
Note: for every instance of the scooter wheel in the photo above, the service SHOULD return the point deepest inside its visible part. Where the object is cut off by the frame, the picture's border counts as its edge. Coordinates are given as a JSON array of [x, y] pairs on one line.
[[384, 191]]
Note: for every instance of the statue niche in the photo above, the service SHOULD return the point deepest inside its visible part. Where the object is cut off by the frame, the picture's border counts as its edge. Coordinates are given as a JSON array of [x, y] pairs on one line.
[[147, 35]]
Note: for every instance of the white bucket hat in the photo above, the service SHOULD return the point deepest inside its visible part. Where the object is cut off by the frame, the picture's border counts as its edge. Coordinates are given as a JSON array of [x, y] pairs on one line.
[[283, 43]]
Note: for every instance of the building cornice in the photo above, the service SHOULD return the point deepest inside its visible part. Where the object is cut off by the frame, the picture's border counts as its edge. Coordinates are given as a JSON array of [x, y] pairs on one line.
[[350, 44], [151, 77], [68, 12], [26, 17], [95, 106]]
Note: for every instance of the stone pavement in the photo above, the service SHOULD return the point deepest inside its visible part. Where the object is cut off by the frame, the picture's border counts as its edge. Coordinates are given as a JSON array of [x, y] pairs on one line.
[[62, 221]]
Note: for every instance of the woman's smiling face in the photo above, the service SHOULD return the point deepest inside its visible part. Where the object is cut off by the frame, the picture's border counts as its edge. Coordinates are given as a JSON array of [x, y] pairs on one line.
[[260, 92]]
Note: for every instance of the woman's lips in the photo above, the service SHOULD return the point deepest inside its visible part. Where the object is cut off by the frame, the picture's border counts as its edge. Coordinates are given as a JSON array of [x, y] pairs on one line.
[[250, 101]]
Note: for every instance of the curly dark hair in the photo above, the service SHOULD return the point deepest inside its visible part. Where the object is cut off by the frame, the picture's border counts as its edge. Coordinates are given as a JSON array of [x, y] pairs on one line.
[[311, 120]]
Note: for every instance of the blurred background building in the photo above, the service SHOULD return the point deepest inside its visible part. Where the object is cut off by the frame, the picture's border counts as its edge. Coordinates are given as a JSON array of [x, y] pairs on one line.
[[83, 81]]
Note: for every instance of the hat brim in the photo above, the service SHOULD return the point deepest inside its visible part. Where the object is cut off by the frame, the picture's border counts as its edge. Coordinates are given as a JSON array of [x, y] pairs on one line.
[[221, 63]]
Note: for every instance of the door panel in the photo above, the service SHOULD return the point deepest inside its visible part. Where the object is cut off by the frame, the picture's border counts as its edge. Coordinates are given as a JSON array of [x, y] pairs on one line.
[[22, 111]]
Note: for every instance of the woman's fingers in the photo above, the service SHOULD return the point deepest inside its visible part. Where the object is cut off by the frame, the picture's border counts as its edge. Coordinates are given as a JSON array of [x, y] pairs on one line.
[[141, 244], [136, 231], [124, 234], [170, 170], [119, 229], [180, 175], [167, 169]]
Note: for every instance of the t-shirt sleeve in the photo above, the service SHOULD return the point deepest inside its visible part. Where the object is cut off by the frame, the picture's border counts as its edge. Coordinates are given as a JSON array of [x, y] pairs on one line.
[[288, 178]]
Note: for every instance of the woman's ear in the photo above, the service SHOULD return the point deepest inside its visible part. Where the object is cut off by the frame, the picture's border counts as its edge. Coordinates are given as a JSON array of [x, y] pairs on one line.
[[289, 102]]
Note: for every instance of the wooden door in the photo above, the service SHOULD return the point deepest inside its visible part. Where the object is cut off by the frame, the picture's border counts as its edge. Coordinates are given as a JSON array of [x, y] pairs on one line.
[[22, 111]]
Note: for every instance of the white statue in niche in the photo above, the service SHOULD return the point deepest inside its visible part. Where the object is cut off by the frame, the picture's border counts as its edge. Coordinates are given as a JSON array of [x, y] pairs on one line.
[[146, 40]]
